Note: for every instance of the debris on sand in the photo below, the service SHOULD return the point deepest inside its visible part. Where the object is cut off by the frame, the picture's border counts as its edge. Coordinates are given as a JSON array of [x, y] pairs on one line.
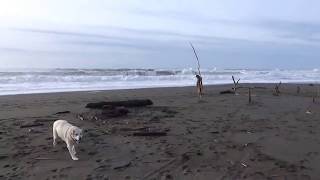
[[227, 92], [244, 164], [128, 103], [62, 112], [122, 165]]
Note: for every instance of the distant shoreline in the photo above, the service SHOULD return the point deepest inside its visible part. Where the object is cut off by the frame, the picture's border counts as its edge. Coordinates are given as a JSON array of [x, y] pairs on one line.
[[227, 85], [65, 80]]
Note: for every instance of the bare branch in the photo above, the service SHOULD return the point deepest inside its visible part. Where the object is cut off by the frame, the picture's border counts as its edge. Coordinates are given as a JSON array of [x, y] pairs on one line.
[[195, 53], [235, 85], [234, 82], [198, 76], [298, 89], [250, 99], [277, 89]]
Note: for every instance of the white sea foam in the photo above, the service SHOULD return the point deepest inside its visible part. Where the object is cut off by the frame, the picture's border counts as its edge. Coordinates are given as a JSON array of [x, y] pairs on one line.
[[58, 80]]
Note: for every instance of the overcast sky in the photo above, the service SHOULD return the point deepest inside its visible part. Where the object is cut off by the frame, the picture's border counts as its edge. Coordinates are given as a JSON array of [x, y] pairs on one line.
[[155, 34]]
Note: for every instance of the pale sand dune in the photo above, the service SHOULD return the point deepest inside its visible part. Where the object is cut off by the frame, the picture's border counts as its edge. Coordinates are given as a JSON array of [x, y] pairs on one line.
[[220, 137]]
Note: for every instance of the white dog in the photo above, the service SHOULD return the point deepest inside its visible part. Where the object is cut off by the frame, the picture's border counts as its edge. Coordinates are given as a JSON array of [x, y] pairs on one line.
[[70, 134]]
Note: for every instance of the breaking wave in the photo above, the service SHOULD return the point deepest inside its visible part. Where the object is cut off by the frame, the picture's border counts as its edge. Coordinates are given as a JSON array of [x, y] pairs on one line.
[[58, 80]]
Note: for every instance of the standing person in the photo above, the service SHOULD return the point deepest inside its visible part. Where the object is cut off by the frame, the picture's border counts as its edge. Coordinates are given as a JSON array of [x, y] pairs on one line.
[[199, 85]]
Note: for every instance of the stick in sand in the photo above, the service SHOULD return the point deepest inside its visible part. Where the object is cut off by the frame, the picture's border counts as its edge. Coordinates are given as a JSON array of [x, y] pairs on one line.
[[250, 100], [317, 95], [198, 76], [277, 89], [235, 85]]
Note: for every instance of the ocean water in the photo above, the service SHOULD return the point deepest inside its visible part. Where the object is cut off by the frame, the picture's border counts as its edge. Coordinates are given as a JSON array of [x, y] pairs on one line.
[[24, 81]]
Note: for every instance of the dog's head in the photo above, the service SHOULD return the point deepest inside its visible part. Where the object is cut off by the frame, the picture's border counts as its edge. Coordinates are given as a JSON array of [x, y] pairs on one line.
[[76, 134]]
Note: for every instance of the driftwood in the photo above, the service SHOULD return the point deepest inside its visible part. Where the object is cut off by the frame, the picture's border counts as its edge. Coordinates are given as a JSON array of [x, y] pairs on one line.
[[128, 103], [150, 133], [298, 89], [195, 53], [122, 165], [31, 125], [235, 85], [316, 95], [260, 87], [199, 86], [198, 76], [63, 112], [318, 91], [277, 89], [250, 99], [227, 92]]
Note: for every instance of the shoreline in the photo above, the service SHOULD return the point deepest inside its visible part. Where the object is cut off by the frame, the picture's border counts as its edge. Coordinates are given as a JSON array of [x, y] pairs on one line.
[[161, 87]]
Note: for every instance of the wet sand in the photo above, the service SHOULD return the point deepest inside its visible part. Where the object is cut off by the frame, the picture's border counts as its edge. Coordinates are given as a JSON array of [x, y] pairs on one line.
[[220, 137]]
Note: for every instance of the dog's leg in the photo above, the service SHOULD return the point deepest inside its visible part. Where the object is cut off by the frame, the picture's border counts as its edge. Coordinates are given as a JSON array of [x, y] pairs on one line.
[[71, 151], [54, 133], [74, 150]]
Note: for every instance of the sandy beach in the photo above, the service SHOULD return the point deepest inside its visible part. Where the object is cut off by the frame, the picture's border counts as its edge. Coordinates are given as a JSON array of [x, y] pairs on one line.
[[220, 137]]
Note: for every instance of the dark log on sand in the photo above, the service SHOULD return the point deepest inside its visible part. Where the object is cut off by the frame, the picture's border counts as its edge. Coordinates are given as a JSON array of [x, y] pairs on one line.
[[122, 165], [128, 103], [63, 112], [227, 92], [260, 87]]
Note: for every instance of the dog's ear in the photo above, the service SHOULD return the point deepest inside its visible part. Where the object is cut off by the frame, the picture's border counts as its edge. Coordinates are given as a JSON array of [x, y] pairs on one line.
[[73, 131]]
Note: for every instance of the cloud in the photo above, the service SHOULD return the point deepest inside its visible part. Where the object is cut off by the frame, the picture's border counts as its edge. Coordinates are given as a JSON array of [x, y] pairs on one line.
[[304, 31], [143, 33]]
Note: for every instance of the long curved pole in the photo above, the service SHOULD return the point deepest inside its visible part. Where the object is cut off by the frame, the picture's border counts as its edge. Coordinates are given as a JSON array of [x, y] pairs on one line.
[[195, 53]]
